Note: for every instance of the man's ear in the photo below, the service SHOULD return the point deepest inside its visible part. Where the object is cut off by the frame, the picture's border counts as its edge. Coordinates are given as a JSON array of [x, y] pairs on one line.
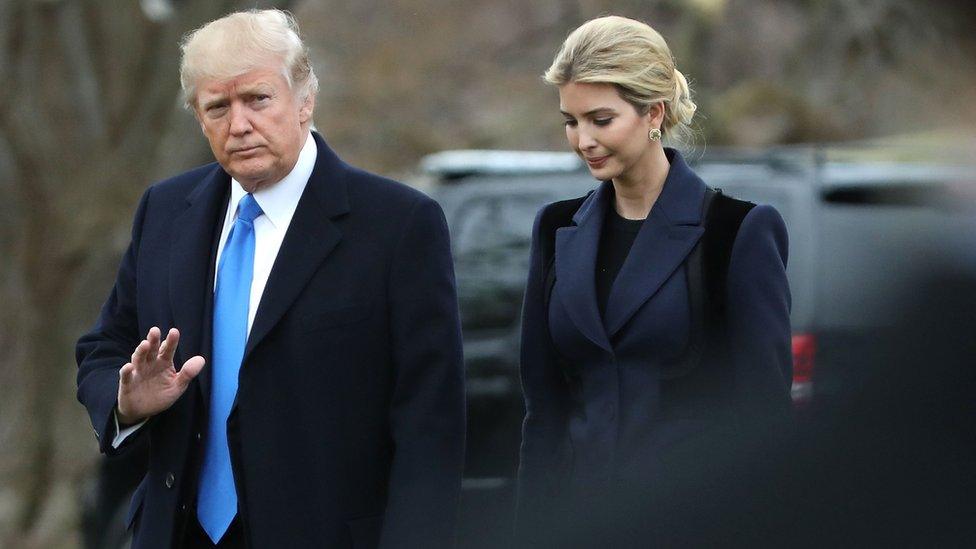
[[196, 114], [307, 108]]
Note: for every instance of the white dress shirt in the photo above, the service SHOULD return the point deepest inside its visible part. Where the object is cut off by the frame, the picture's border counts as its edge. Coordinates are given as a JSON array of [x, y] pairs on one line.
[[278, 202]]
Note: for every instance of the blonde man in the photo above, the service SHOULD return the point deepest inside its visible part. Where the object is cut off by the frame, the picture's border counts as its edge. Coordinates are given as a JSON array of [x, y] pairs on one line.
[[283, 328]]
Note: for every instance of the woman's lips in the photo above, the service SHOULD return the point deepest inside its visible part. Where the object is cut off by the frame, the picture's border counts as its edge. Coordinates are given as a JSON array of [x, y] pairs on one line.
[[597, 162]]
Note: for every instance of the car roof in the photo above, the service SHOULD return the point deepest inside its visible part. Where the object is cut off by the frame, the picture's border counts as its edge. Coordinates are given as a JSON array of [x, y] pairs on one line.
[[878, 173], [456, 164], [824, 167]]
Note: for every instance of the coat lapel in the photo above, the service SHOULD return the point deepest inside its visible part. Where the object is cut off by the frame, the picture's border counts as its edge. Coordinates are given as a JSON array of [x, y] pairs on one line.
[[310, 238], [191, 266], [665, 239], [576, 254]]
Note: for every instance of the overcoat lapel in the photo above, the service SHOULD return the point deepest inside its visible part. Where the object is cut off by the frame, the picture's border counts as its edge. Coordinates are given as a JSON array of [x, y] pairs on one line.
[[576, 255], [191, 267], [665, 239], [310, 238]]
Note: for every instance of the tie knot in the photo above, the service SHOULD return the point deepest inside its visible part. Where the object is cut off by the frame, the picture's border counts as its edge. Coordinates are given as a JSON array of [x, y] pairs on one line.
[[248, 209]]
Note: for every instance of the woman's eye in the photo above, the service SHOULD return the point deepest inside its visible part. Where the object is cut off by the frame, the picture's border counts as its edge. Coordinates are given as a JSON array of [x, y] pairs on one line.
[[603, 121], [569, 122]]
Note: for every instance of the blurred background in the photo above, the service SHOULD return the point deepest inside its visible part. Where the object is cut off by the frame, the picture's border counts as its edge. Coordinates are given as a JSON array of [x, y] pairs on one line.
[[854, 117]]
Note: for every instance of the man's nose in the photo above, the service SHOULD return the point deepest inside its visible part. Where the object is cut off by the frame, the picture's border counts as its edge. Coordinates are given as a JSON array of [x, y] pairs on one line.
[[240, 123]]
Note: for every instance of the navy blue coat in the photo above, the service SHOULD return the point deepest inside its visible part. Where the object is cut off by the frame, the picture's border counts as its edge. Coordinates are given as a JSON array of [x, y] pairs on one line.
[[621, 420], [348, 428]]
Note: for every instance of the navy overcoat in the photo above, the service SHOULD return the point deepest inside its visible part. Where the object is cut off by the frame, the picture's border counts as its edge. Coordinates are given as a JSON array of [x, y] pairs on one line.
[[348, 428], [618, 418]]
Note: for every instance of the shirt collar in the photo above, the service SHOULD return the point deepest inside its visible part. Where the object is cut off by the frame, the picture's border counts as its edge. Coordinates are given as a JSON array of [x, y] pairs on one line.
[[280, 200]]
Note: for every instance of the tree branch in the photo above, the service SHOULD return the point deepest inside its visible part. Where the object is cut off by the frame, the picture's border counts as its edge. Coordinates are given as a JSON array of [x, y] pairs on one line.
[[83, 80]]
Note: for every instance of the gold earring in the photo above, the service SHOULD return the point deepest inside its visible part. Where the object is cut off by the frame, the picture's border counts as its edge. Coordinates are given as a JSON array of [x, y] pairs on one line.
[[654, 134]]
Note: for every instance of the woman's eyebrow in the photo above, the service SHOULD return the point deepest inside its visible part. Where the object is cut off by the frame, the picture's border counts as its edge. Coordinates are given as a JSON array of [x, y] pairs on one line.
[[598, 110]]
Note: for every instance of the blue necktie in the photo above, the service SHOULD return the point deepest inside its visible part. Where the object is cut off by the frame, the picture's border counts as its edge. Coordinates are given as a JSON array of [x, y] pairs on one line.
[[217, 502]]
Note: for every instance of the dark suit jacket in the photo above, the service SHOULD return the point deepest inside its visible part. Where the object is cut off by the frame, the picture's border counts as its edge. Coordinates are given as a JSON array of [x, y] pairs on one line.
[[624, 423], [348, 428]]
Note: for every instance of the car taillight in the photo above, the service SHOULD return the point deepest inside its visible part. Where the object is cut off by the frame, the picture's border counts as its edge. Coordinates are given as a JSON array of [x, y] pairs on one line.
[[804, 349]]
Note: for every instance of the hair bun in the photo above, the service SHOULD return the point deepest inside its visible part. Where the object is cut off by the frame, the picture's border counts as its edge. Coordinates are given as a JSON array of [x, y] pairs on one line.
[[682, 107]]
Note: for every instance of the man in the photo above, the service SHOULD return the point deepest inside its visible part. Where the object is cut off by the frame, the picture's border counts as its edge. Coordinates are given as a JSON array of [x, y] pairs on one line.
[[283, 328]]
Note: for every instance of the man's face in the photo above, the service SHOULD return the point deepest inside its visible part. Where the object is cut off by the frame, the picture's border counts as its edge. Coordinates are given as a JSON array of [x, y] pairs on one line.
[[255, 124]]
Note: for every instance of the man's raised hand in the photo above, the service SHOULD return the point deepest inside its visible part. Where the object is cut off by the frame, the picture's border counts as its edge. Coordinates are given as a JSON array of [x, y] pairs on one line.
[[150, 383]]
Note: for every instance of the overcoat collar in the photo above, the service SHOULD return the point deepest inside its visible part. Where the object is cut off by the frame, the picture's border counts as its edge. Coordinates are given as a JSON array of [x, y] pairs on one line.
[[191, 269], [666, 237], [310, 237]]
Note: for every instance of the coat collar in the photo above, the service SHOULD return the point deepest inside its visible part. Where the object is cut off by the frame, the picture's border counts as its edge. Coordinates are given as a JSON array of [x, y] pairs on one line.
[[279, 201], [576, 253], [666, 237], [680, 200], [191, 267], [310, 238]]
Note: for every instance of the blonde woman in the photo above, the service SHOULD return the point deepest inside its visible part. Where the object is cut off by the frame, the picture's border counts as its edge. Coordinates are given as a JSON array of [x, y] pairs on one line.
[[656, 323]]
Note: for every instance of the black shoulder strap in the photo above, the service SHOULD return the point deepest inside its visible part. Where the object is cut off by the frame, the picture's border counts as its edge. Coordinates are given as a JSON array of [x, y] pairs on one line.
[[706, 272], [721, 227]]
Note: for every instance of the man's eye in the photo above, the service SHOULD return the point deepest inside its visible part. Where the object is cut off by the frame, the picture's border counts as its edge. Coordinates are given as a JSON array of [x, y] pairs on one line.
[[603, 121]]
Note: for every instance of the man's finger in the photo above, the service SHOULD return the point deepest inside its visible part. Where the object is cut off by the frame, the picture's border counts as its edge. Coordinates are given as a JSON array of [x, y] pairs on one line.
[[190, 370], [153, 338], [125, 373], [139, 355], [168, 348]]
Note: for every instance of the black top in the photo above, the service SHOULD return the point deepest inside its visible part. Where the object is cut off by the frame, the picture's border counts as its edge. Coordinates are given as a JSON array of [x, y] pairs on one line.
[[616, 240]]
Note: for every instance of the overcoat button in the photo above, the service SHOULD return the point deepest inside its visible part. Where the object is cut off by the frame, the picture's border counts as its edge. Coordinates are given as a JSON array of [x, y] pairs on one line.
[[170, 480]]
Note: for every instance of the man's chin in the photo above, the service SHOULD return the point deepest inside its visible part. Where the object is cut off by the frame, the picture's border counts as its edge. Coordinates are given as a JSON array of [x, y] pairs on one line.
[[252, 183], [250, 177]]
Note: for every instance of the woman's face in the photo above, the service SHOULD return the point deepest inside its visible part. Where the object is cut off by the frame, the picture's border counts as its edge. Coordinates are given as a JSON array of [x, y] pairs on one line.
[[605, 130]]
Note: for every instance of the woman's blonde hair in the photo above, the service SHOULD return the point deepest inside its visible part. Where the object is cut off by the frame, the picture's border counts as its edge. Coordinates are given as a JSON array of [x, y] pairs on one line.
[[636, 60]]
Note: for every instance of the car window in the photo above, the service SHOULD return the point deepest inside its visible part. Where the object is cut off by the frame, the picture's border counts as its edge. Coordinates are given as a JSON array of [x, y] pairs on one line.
[[487, 224], [490, 219], [492, 235], [876, 241]]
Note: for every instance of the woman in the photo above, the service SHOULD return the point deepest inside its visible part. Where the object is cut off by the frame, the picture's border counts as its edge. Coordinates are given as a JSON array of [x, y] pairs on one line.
[[656, 335]]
